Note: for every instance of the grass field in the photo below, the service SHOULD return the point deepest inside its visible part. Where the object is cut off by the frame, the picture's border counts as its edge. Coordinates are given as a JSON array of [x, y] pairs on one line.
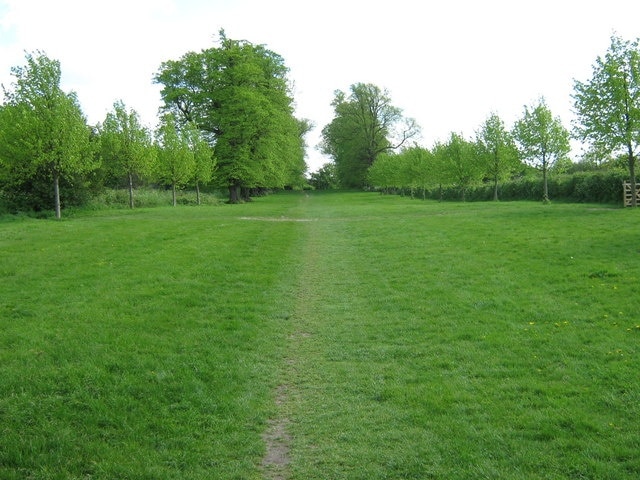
[[358, 336]]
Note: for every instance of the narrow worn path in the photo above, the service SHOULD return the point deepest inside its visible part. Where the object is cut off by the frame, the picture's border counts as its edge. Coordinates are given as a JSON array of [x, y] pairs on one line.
[[277, 437], [277, 441]]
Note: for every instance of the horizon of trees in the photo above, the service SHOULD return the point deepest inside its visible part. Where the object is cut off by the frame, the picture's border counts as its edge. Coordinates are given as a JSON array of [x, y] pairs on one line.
[[228, 121], [608, 107]]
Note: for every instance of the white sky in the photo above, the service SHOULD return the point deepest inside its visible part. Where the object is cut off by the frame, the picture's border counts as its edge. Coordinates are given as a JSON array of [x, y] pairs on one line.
[[446, 63]]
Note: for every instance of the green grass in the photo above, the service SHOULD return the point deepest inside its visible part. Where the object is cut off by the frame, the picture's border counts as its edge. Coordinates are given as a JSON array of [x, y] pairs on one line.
[[395, 338]]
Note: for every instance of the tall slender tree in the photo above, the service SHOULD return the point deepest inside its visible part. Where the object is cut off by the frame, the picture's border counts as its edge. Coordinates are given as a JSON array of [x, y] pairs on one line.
[[497, 150], [458, 157], [542, 140], [126, 146], [608, 105], [204, 161], [386, 173], [175, 161], [422, 168], [43, 128]]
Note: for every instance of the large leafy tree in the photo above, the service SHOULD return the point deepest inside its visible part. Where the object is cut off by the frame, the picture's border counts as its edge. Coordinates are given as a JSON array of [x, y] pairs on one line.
[[542, 140], [126, 146], [43, 132], [497, 150], [365, 125], [238, 94], [608, 105]]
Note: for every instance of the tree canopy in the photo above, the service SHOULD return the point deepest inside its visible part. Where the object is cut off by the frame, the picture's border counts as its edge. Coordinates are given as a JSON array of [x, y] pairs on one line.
[[204, 161], [365, 125], [238, 94], [175, 160], [542, 140], [127, 146], [459, 160], [43, 133], [608, 105], [227, 120], [497, 150]]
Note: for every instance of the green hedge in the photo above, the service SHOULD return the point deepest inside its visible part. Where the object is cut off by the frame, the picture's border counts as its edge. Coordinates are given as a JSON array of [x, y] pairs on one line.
[[580, 187]]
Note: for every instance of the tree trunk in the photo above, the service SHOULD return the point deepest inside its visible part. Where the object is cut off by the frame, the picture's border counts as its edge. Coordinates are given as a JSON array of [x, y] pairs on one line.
[[198, 193], [234, 194], [173, 194], [632, 174], [545, 185], [130, 190], [245, 194], [495, 189], [56, 192]]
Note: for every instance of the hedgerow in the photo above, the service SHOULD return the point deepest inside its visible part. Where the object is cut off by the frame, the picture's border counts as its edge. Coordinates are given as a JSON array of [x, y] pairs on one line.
[[579, 187]]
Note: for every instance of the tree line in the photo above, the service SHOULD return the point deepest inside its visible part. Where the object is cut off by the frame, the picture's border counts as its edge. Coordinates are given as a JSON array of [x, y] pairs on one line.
[[369, 141], [227, 120], [495, 154]]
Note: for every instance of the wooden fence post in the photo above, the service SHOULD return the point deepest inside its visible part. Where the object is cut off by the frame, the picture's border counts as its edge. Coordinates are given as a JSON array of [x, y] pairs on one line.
[[628, 196]]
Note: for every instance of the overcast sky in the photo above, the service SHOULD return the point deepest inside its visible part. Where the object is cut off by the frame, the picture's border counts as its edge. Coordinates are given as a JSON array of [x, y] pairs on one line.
[[448, 64]]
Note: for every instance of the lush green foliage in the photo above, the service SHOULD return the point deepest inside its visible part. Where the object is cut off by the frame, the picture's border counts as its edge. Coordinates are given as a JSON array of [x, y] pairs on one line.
[[43, 133], [497, 149], [457, 165], [326, 178], [460, 163], [414, 168], [490, 168], [203, 159], [147, 197], [126, 147], [238, 94], [365, 125], [393, 338], [542, 140], [602, 186], [176, 162], [236, 98], [608, 105]]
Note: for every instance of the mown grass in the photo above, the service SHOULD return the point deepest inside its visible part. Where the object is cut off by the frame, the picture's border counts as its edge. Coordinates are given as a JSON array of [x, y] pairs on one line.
[[139, 344], [411, 340], [470, 341]]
